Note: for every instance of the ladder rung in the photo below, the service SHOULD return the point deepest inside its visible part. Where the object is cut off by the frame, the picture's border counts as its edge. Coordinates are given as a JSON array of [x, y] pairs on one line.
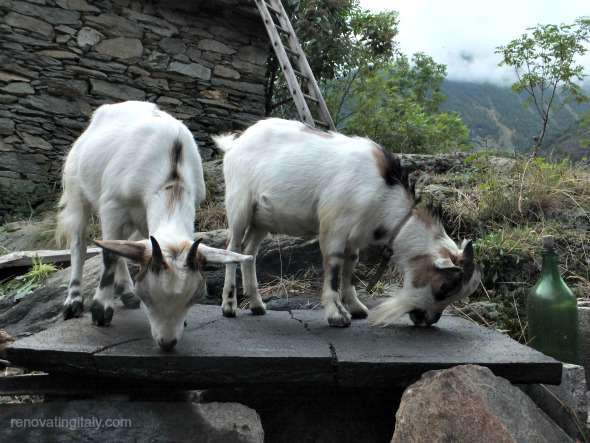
[[321, 123], [310, 98], [300, 74], [273, 9], [292, 52], [283, 30]]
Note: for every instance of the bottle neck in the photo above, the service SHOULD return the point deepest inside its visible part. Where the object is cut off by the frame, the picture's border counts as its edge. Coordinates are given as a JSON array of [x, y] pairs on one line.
[[550, 265]]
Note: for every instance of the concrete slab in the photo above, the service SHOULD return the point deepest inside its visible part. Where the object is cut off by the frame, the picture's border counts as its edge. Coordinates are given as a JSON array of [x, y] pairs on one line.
[[281, 347]]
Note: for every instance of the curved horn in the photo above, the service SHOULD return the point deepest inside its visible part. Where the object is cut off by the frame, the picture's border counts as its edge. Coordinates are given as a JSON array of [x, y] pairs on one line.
[[468, 263], [157, 262], [191, 259]]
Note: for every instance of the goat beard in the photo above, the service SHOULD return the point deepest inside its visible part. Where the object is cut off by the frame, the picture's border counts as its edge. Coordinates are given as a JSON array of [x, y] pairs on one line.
[[392, 309]]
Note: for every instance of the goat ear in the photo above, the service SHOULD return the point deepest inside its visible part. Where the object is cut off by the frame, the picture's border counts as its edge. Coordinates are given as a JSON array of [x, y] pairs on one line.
[[207, 254], [157, 262], [133, 250], [444, 264], [191, 258], [468, 261]]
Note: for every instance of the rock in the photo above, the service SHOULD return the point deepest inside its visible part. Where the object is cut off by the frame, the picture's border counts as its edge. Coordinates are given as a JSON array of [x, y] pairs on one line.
[[133, 421], [252, 54], [18, 88], [10, 77], [88, 37], [59, 55], [193, 70], [6, 126], [468, 403], [215, 46], [77, 5], [29, 24], [53, 105], [69, 88], [121, 47], [33, 141], [56, 16], [224, 71], [254, 88], [116, 26], [173, 45], [121, 92], [566, 404]]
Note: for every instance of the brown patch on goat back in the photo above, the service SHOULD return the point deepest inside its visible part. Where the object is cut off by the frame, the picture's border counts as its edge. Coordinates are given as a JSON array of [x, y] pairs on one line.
[[173, 193], [423, 270], [425, 217], [391, 169], [174, 187], [457, 259], [176, 159], [316, 131]]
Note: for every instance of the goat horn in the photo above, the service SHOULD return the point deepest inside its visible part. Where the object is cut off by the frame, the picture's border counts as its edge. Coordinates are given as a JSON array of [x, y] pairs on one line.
[[191, 258], [157, 263], [468, 261]]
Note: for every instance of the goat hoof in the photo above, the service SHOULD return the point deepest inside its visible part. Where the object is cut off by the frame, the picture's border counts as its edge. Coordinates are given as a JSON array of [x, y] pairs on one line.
[[258, 310], [101, 316], [339, 322], [361, 313], [73, 309], [228, 312], [130, 300]]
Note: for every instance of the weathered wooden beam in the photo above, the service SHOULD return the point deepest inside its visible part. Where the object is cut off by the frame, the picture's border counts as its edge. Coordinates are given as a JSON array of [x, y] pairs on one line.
[[22, 259]]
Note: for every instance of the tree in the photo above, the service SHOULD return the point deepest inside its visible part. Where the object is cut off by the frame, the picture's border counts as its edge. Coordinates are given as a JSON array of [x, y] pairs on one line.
[[546, 64], [398, 107], [337, 37]]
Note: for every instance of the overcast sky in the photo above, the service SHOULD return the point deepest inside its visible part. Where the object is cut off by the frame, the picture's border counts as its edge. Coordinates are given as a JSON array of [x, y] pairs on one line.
[[463, 34]]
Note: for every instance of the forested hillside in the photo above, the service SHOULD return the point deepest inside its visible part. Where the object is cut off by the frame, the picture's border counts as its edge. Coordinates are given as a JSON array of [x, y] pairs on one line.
[[496, 118]]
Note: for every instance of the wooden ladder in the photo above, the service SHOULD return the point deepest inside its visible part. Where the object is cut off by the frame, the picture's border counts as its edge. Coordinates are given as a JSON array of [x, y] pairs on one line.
[[301, 82]]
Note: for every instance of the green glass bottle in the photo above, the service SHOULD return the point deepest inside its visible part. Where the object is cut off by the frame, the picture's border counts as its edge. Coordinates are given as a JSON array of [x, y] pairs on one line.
[[552, 311]]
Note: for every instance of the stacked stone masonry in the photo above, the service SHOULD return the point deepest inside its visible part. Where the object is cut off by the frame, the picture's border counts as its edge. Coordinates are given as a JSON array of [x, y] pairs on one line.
[[203, 61]]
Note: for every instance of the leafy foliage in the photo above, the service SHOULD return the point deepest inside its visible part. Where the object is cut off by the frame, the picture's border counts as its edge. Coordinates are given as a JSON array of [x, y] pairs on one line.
[[398, 107], [545, 62]]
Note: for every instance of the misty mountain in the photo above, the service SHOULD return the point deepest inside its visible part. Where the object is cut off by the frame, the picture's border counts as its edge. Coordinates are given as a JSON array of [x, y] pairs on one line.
[[496, 118]]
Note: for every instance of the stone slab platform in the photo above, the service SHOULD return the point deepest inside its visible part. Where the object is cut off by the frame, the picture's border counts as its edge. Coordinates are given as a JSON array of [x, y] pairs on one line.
[[291, 348]]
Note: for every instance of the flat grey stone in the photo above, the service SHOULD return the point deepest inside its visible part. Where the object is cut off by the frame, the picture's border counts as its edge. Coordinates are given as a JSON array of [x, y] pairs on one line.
[[385, 356], [29, 24], [193, 70], [88, 37], [279, 347], [118, 421], [114, 90], [121, 47]]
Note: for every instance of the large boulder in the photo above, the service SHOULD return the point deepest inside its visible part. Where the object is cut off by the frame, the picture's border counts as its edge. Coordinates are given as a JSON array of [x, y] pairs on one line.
[[154, 421], [470, 404]]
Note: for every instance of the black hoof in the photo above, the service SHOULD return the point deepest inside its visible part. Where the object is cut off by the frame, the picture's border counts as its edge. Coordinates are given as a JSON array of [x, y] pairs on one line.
[[229, 313], [339, 322], [72, 310], [100, 315], [357, 315], [258, 310], [130, 300]]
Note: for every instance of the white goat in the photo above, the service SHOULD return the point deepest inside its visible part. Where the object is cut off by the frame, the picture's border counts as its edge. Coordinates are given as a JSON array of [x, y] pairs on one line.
[[284, 177], [139, 169]]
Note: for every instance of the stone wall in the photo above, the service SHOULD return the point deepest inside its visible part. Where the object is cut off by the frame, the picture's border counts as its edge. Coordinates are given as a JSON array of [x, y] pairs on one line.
[[203, 61]]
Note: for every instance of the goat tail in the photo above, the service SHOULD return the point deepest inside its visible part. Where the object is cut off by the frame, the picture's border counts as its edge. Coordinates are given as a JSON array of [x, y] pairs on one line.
[[73, 210], [225, 142], [391, 310]]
